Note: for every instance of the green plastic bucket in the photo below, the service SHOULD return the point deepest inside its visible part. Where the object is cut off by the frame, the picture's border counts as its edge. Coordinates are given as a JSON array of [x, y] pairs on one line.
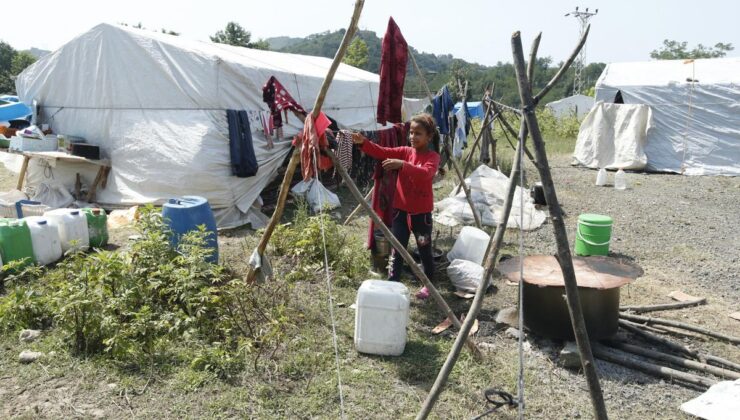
[[593, 234], [97, 226], [15, 242]]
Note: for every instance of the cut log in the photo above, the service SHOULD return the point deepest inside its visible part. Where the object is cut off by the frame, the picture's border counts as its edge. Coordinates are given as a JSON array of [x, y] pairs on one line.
[[625, 359]]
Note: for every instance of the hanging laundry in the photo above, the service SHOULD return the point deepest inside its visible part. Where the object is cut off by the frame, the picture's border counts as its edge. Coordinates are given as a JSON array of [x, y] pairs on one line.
[[243, 160], [393, 58], [442, 105], [278, 99], [312, 139], [344, 149], [486, 137], [460, 139]]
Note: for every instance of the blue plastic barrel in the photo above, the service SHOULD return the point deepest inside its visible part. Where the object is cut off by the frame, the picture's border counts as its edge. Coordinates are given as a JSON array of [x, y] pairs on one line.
[[185, 214]]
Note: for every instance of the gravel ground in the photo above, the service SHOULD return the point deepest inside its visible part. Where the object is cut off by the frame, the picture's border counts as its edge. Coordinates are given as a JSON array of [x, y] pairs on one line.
[[686, 227]]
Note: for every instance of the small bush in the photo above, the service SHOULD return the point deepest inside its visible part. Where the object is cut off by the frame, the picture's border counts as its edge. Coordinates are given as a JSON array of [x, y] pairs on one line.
[[302, 243], [137, 305]]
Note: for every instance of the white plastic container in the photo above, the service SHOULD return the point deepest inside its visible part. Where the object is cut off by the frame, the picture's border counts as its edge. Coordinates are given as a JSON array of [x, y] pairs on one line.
[[620, 180], [601, 177], [72, 227], [381, 317], [47, 247], [26, 144], [470, 245]]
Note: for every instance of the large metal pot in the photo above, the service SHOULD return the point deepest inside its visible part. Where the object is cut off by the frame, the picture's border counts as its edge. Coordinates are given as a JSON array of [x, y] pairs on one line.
[[545, 307]]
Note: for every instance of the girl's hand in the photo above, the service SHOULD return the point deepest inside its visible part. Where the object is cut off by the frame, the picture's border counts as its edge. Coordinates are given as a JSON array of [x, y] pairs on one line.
[[358, 138], [392, 164]]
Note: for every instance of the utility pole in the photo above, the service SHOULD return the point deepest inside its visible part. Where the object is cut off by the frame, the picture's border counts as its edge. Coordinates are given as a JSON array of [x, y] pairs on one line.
[[583, 18]]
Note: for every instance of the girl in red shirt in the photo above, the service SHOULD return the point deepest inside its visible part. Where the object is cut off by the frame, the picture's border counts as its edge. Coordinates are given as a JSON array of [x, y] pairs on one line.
[[414, 200]]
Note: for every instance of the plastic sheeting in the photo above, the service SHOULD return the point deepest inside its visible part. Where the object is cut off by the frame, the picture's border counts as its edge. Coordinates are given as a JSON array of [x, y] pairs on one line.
[[613, 136], [488, 188], [696, 111], [156, 105], [720, 402]]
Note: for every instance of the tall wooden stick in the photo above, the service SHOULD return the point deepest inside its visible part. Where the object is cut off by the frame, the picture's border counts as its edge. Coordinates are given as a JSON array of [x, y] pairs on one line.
[[664, 306], [561, 236], [494, 246], [441, 303], [296, 157], [446, 146]]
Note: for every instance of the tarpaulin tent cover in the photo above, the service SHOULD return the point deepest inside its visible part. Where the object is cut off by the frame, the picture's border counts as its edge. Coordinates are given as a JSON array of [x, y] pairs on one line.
[[475, 109], [156, 105], [696, 111]]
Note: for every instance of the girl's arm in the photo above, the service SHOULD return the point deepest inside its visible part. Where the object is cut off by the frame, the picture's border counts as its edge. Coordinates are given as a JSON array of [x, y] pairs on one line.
[[424, 173], [379, 152]]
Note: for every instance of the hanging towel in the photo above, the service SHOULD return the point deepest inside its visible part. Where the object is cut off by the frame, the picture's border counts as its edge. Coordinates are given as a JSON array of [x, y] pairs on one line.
[[393, 59], [243, 160], [442, 105]]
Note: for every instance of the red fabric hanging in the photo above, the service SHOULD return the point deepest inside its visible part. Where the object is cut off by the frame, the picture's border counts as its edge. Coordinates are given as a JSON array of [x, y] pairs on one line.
[[312, 139], [393, 60]]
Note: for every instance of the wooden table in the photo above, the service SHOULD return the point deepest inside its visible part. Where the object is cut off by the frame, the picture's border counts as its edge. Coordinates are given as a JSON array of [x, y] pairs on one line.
[[100, 179]]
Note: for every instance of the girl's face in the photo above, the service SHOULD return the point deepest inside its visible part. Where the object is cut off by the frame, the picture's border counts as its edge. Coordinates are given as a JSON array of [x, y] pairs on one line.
[[419, 136]]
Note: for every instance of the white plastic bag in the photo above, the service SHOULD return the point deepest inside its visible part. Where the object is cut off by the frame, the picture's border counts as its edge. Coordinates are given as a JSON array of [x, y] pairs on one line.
[[465, 275], [317, 196], [54, 195]]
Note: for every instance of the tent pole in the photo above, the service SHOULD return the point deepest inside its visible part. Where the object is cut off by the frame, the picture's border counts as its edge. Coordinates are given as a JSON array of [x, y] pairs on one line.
[[296, 157]]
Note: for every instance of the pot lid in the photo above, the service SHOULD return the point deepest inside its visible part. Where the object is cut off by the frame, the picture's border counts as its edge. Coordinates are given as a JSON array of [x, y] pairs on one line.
[[593, 272]]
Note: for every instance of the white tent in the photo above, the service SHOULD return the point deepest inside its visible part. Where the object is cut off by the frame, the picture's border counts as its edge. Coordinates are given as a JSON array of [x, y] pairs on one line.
[[578, 105], [156, 103], [695, 111]]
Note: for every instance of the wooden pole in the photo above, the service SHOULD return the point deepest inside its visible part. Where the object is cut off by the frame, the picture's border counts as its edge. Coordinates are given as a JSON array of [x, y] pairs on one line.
[[663, 307], [625, 359], [680, 361], [359, 206], [494, 246], [561, 236], [564, 68], [682, 325], [469, 159], [22, 174], [296, 157], [504, 123], [447, 149], [441, 303]]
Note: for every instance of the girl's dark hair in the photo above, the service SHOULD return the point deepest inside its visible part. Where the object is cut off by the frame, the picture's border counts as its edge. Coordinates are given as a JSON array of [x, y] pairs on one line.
[[430, 126]]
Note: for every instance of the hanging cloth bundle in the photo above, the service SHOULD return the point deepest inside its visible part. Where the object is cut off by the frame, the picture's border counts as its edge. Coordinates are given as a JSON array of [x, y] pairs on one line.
[[393, 60], [313, 139]]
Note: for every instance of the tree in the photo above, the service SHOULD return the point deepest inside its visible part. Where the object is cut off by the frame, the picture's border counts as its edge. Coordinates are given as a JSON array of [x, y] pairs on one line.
[[235, 34], [21, 60], [675, 50], [170, 32], [357, 54], [7, 84]]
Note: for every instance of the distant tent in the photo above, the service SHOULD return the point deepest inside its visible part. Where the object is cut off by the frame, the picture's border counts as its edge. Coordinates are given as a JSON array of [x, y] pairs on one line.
[[156, 105], [695, 104], [578, 105], [474, 108]]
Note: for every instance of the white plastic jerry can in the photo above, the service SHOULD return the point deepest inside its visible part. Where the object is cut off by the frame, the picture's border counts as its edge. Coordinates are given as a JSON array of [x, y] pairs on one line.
[[381, 317], [47, 247], [72, 227]]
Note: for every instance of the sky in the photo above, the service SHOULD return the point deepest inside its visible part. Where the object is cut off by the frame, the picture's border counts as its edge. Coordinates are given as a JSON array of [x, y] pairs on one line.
[[474, 30]]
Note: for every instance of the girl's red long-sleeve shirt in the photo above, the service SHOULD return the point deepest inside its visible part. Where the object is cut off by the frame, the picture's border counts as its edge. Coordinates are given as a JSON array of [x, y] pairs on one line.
[[414, 185]]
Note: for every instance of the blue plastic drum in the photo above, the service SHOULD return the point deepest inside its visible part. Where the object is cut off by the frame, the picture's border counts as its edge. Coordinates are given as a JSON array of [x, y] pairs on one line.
[[185, 214]]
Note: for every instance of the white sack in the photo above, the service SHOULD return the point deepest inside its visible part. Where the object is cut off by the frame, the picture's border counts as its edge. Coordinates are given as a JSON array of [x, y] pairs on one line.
[[720, 402], [318, 197], [53, 194], [465, 275], [614, 136]]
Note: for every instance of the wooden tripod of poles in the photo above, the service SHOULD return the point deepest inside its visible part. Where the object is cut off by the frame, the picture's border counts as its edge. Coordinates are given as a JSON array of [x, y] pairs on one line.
[[529, 123]]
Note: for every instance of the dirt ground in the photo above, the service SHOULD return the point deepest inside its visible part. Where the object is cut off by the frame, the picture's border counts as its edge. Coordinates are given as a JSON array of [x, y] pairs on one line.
[[684, 232]]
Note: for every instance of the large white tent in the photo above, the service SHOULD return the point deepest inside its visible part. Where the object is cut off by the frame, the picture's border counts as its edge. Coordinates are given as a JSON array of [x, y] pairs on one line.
[[695, 128], [578, 105], [156, 105]]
